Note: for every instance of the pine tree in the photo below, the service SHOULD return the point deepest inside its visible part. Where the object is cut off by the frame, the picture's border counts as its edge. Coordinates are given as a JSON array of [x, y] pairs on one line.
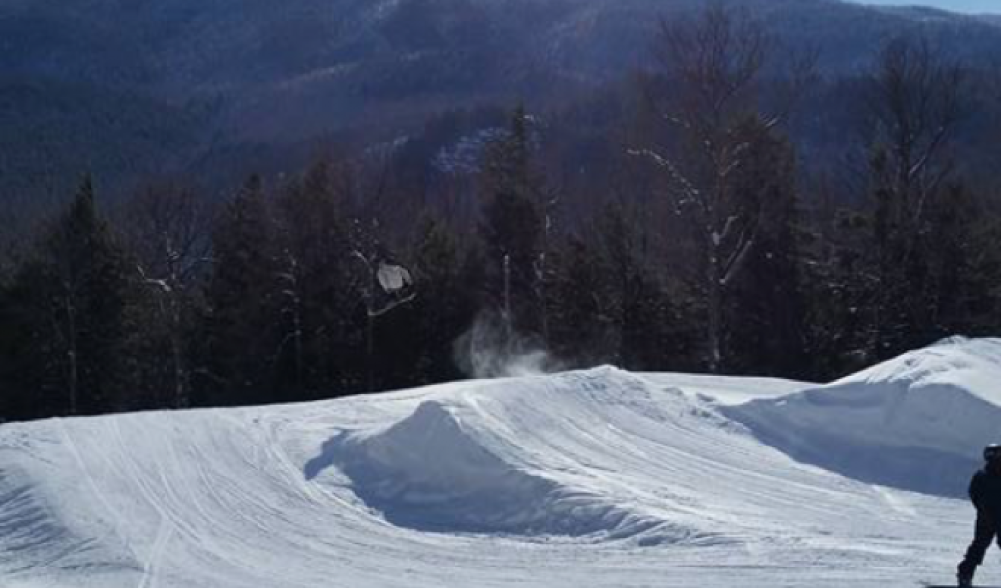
[[648, 329], [837, 288], [766, 310], [64, 311], [512, 230], [244, 303], [583, 303], [319, 340], [447, 305], [964, 266]]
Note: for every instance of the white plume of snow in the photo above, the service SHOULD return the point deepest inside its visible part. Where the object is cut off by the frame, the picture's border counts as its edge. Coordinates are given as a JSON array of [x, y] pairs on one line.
[[490, 349]]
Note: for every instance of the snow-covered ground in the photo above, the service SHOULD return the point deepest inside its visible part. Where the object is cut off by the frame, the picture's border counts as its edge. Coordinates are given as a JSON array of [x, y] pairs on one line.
[[597, 478]]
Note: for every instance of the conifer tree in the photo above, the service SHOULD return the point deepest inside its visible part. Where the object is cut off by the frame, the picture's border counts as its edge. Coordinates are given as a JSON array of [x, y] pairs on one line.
[[64, 311], [316, 291], [244, 303], [767, 310], [648, 330], [448, 284], [583, 305], [964, 266], [512, 229]]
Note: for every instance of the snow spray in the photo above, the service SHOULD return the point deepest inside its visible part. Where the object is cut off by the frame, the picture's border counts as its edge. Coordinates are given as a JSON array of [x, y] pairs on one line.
[[491, 348]]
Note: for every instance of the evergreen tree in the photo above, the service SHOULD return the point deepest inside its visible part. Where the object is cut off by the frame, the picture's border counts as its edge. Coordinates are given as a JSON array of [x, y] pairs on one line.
[[242, 326], [320, 340], [962, 250], [448, 282], [63, 315], [837, 279], [583, 304], [512, 229], [767, 306], [650, 331]]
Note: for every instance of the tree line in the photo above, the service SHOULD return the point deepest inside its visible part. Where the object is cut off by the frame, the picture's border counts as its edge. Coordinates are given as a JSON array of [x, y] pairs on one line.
[[683, 235]]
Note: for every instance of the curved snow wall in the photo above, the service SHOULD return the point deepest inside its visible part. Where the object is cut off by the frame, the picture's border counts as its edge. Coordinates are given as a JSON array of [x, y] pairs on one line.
[[917, 422], [431, 472]]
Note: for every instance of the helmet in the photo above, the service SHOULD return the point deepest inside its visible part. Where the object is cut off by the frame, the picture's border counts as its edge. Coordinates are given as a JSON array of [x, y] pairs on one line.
[[992, 452]]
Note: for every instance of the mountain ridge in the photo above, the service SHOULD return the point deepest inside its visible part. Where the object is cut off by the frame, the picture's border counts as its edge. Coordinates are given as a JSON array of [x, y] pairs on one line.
[[257, 73]]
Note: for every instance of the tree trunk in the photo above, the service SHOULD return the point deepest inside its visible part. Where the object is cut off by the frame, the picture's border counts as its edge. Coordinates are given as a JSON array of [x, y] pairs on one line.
[[180, 373], [370, 350], [714, 300], [71, 353]]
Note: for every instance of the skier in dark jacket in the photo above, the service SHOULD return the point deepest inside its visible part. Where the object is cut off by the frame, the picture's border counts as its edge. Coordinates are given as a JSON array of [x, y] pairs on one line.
[[985, 492]]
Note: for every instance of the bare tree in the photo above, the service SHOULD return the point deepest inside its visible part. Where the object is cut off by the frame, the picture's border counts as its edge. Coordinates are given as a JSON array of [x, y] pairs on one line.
[[169, 232], [916, 104], [917, 101], [713, 67]]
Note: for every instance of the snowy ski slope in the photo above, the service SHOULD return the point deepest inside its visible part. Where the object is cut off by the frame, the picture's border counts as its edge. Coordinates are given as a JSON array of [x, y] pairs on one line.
[[597, 478]]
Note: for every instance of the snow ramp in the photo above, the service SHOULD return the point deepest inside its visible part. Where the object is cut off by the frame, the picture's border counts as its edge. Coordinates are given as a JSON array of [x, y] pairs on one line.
[[599, 478], [456, 466], [518, 461], [917, 422], [431, 472]]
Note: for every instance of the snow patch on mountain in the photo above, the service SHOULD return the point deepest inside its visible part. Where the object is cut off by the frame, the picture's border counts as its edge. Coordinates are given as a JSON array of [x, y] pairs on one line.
[[465, 156]]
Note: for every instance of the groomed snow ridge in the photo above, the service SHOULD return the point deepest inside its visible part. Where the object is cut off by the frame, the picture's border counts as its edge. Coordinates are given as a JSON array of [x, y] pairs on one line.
[[599, 478]]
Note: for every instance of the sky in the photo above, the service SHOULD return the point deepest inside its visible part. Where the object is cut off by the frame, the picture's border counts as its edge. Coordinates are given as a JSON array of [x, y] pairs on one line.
[[973, 6]]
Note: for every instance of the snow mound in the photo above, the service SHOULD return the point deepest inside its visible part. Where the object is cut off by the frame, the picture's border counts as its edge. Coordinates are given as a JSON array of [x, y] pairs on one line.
[[24, 518], [34, 534], [916, 422], [597, 478], [436, 470]]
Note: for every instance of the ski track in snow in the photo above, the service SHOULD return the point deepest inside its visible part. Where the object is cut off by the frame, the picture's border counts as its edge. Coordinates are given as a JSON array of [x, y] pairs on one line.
[[598, 478]]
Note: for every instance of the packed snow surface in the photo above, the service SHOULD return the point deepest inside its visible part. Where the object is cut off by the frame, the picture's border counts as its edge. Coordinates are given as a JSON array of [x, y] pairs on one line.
[[918, 422], [596, 478]]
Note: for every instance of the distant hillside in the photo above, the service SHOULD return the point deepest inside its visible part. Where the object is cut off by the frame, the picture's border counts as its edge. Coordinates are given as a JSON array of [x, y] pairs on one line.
[[128, 88]]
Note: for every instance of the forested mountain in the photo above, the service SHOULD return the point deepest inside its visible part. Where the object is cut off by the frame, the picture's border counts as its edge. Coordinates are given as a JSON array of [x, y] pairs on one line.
[[125, 89], [227, 203]]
